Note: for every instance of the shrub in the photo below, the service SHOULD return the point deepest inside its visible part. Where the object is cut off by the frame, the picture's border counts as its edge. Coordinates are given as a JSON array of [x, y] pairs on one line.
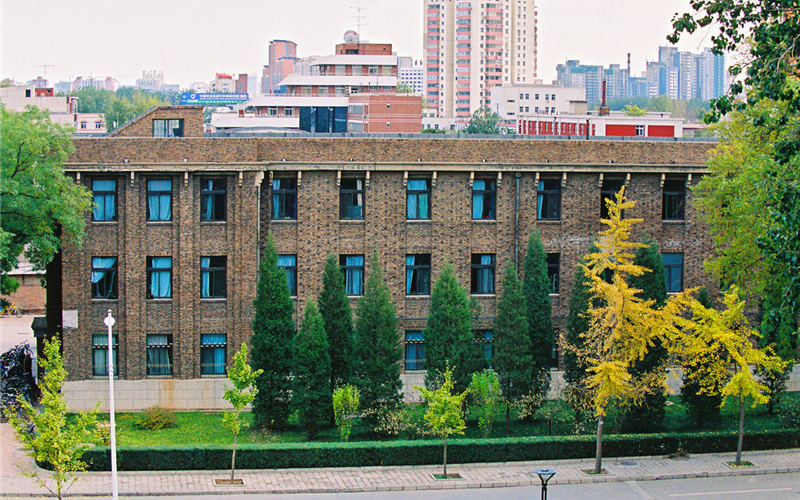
[[789, 412], [484, 391], [345, 409], [156, 418]]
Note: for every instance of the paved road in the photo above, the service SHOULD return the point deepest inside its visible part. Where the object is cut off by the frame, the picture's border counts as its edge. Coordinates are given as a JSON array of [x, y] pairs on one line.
[[765, 487], [14, 331]]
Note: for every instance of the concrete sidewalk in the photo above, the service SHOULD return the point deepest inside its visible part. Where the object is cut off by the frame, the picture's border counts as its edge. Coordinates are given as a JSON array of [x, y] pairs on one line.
[[389, 478]]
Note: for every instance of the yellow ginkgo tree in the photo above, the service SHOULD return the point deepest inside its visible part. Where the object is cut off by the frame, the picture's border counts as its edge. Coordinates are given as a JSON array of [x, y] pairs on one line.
[[622, 325], [722, 342]]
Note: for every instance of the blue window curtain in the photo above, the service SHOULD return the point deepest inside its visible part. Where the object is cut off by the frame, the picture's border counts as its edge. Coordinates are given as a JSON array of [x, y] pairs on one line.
[[289, 265], [486, 274], [212, 353], [418, 205], [415, 351], [409, 272], [159, 203], [161, 277], [159, 355], [102, 263], [354, 274], [205, 262], [105, 199], [478, 198]]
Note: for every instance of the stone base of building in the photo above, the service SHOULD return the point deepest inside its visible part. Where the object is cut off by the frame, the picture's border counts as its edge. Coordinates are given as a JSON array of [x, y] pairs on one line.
[[206, 393]]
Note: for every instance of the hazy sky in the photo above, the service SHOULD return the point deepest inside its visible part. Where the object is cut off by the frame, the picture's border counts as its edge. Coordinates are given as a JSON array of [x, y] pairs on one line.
[[190, 40]]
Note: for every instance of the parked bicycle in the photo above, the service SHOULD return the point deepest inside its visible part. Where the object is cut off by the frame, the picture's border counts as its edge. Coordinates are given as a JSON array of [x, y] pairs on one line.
[[16, 379], [9, 308]]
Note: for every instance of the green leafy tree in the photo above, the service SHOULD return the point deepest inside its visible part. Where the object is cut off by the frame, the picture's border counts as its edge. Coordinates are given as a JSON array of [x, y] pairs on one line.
[[448, 334], [778, 328], [573, 341], [722, 340], [378, 349], [273, 330], [346, 402], [647, 413], [633, 110], [536, 290], [485, 393], [243, 392], [444, 415], [57, 440], [701, 405], [41, 207], [513, 350], [335, 309], [311, 394], [483, 121]]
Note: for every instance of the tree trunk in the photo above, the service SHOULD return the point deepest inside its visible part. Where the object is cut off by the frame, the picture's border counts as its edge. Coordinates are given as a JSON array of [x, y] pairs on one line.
[[233, 457], [598, 456], [508, 418], [741, 431], [444, 468]]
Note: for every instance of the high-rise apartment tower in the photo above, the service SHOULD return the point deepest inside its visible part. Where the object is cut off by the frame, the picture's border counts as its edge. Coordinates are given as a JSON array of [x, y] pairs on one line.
[[474, 45]]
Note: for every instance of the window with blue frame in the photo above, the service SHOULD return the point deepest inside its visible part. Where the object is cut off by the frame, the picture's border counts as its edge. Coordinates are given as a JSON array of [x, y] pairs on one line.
[[213, 277], [289, 265], [418, 274], [353, 268], [482, 274], [100, 354], [212, 353], [104, 192], [104, 277], [159, 200], [284, 198], [159, 277], [415, 351], [484, 194], [548, 199], [673, 271], [212, 200], [351, 199], [418, 199]]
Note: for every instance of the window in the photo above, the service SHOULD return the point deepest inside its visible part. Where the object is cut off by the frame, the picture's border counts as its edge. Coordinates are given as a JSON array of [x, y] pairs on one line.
[[213, 279], [100, 354], [159, 277], [639, 130], [418, 274], [353, 268], [351, 199], [548, 199], [284, 198], [212, 200], [105, 199], [673, 271], [212, 353], [482, 275], [418, 199], [104, 277], [159, 355], [168, 128], [553, 271], [289, 265], [485, 339], [159, 199], [674, 199], [415, 351], [484, 192], [609, 191]]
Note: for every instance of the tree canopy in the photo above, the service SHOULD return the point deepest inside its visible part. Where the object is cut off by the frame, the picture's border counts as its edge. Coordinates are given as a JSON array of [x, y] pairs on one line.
[[484, 121], [119, 106], [40, 205]]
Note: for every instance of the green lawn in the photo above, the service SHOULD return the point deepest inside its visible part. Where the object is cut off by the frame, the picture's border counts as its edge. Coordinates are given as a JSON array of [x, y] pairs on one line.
[[206, 428]]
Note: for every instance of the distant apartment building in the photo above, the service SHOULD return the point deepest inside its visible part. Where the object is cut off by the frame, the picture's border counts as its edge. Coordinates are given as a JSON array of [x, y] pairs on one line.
[[63, 109], [473, 45], [223, 83], [39, 82], [511, 101], [282, 59], [107, 83], [151, 80], [346, 74], [413, 77], [591, 78]]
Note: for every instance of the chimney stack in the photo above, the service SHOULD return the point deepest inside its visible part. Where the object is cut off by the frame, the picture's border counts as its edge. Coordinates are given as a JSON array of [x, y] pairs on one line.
[[603, 109]]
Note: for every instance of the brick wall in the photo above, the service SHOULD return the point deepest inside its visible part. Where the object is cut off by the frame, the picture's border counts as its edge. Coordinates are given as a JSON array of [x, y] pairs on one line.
[[142, 126]]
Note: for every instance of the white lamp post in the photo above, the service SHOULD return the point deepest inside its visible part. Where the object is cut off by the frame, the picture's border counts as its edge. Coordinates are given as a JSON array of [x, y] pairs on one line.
[[109, 322]]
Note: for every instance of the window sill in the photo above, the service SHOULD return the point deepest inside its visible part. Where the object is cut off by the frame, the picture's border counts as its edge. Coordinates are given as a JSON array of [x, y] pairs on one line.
[[412, 297], [352, 221], [158, 377], [355, 296], [213, 222], [158, 222], [549, 221], [553, 294], [485, 221], [483, 295], [159, 299], [213, 299], [213, 375], [283, 221], [417, 221], [101, 299], [105, 222], [674, 221]]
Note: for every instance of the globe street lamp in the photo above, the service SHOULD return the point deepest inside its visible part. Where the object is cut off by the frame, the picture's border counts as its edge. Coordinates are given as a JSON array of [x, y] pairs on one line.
[[544, 476]]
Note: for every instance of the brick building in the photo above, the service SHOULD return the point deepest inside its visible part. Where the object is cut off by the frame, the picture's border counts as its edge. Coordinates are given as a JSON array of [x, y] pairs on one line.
[[172, 247]]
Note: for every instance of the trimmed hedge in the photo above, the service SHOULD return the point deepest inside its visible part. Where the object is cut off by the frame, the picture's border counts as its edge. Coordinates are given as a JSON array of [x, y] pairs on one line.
[[427, 452]]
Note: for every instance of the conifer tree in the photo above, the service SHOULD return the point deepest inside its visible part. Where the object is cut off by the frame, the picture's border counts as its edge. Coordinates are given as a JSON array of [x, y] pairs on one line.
[[778, 328], [311, 394], [578, 323], [513, 351], [536, 290], [334, 306], [273, 330], [448, 334], [378, 350], [647, 413]]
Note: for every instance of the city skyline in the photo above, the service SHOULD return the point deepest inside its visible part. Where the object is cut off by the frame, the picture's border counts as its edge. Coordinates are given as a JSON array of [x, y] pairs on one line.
[[86, 39]]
